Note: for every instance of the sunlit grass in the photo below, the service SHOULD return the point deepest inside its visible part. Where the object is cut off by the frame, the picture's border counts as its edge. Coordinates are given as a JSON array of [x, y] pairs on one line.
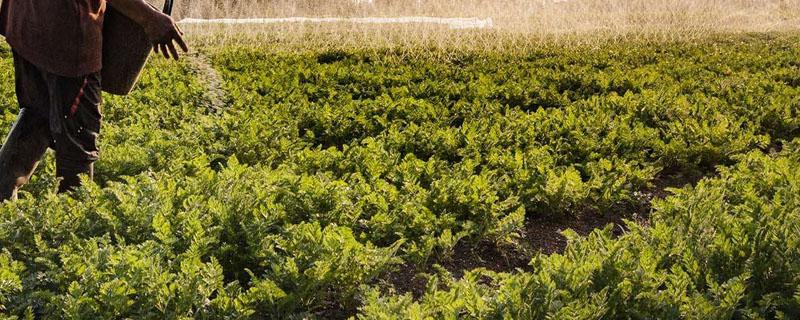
[[517, 23]]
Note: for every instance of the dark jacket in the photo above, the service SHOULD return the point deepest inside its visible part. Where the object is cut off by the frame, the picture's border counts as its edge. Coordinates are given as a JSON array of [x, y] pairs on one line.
[[64, 37]]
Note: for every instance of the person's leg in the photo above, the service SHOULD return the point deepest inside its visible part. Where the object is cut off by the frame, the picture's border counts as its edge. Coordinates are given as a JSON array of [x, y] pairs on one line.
[[30, 135], [75, 125], [21, 152], [70, 171]]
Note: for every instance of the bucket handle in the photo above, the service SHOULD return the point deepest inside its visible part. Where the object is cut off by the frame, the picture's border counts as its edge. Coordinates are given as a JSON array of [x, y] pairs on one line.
[[168, 7]]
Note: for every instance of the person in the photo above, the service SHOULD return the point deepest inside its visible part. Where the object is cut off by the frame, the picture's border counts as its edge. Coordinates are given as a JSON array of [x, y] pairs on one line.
[[57, 49]]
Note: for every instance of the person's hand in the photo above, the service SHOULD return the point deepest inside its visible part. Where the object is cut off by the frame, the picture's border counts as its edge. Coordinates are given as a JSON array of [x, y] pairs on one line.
[[164, 34]]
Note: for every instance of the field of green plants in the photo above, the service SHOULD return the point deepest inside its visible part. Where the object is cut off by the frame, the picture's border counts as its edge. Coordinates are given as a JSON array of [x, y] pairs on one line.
[[408, 183]]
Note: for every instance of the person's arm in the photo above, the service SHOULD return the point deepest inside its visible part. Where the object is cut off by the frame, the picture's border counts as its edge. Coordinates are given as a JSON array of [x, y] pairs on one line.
[[160, 28]]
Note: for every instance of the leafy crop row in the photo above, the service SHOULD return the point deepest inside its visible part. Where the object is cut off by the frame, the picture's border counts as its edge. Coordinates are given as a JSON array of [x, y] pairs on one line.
[[326, 171], [725, 249]]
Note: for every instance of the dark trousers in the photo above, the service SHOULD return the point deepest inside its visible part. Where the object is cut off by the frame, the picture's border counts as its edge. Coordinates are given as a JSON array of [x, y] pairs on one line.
[[56, 112]]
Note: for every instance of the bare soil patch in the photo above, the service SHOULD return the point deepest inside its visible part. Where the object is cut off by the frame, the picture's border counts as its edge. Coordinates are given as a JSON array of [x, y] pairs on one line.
[[542, 234]]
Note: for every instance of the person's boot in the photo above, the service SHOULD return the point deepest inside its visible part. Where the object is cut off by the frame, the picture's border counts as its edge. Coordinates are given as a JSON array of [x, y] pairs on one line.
[[70, 172], [21, 152]]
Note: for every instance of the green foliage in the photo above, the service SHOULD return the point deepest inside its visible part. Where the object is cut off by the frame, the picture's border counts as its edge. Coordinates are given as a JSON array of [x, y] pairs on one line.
[[727, 248], [326, 173], [9, 277]]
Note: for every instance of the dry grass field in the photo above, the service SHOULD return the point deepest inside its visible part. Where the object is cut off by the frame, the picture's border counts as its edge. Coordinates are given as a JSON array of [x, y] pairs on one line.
[[533, 16], [516, 23]]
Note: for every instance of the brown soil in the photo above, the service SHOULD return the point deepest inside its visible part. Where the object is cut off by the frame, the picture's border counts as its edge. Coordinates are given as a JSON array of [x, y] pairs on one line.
[[542, 234]]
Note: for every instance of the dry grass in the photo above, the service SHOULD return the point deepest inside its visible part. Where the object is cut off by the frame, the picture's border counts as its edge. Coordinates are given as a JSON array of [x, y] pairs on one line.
[[515, 20]]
